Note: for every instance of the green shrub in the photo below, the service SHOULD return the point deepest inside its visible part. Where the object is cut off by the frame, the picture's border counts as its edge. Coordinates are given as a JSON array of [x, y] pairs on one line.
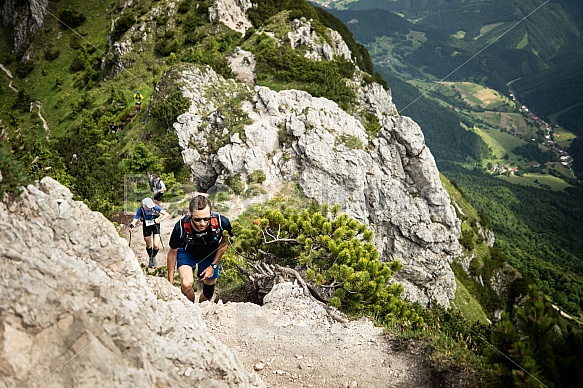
[[184, 6], [165, 47], [257, 176], [75, 42], [162, 20], [124, 23], [373, 126], [193, 37], [24, 68], [52, 53], [236, 184], [70, 18], [12, 173], [335, 250], [141, 160], [168, 110], [353, 143], [467, 239], [319, 78]]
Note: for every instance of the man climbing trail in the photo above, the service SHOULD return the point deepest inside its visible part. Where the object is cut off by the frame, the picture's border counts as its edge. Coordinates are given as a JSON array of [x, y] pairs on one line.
[[151, 216], [197, 241], [158, 188], [138, 100]]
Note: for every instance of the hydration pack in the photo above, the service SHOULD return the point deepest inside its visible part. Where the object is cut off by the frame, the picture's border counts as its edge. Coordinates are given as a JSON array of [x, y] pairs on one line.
[[208, 236], [155, 214]]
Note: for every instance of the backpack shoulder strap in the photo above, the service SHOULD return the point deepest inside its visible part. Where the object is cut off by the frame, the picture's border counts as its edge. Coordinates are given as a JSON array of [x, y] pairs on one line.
[[185, 225], [218, 217]]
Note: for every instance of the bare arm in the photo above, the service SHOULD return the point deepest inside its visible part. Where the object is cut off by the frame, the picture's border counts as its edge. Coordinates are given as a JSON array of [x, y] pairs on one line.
[[171, 263], [163, 215], [223, 245], [209, 271]]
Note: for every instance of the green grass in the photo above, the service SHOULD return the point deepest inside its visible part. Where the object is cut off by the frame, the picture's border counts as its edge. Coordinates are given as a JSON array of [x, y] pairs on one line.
[[565, 137], [459, 35], [487, 28], [467, 305], [511, 122], [468, 210], [499, 142], [523, 42], [537, 180], [49, 72]]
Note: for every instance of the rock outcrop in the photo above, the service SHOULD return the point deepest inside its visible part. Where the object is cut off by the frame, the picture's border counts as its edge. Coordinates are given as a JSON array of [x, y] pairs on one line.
[[389, 181], [76, 309], [25, 18], [232, 13]]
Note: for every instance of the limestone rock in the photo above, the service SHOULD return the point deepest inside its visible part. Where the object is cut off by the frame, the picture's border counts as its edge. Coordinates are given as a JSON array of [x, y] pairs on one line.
[[26, 18], [76, 309], [389, 182], [317, 47], [242, 63], [232, 14]]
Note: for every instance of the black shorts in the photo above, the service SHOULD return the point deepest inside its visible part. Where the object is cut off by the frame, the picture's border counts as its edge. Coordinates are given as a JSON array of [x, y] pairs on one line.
[[149, 230], [158, 197]]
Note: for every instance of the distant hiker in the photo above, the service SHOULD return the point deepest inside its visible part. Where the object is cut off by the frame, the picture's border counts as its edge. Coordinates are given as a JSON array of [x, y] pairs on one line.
[[138, 100], [151, 216], [73, 158], [112, 127], [158, 188], [311, 29], [197, 241]]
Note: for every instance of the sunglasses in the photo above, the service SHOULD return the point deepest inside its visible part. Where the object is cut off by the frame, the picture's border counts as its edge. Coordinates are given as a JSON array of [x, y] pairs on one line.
[[201, 219]]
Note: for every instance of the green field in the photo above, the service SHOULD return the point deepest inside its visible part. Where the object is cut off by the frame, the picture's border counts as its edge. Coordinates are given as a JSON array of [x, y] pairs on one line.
[[499, 142], [537, 180], [511, 122], [565, 137], [483, 97]]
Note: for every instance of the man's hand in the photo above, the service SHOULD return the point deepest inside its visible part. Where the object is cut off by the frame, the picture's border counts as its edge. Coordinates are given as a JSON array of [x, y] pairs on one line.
[[207, 273]]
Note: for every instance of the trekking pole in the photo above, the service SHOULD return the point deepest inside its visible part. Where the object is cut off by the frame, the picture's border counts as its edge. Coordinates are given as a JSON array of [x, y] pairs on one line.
[[150, 261], [130, 244], [162, 242]]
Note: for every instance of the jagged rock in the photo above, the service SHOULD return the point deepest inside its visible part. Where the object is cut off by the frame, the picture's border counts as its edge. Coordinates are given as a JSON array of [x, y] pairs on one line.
[[501, 280], [390, 182], [76, 309], [242, 63], [232, 13], [317, 48], [26, 18]]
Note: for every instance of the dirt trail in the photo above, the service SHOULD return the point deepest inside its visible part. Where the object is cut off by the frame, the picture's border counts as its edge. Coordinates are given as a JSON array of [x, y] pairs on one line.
[[292, 342]]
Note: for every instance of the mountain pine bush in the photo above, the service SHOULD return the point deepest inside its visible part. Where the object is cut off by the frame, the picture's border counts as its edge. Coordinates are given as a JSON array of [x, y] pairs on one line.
[[336, 252]]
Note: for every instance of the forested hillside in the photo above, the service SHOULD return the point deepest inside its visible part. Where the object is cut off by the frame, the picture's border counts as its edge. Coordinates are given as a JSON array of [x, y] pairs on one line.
[[536, 41], [532, 228]]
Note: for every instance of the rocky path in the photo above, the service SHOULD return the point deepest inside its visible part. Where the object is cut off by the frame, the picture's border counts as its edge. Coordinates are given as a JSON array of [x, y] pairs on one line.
[[292, 342], [9, 74], [38, 105]]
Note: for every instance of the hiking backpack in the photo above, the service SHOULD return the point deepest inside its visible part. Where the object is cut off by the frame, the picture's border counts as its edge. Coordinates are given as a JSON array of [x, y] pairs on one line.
[[190, 237]]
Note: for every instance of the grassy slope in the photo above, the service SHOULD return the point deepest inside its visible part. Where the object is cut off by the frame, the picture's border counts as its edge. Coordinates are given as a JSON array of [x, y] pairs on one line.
[[467, 305]]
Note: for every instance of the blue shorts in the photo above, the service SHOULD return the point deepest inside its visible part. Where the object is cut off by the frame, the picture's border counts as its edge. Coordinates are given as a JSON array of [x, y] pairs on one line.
[[185, 258]]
